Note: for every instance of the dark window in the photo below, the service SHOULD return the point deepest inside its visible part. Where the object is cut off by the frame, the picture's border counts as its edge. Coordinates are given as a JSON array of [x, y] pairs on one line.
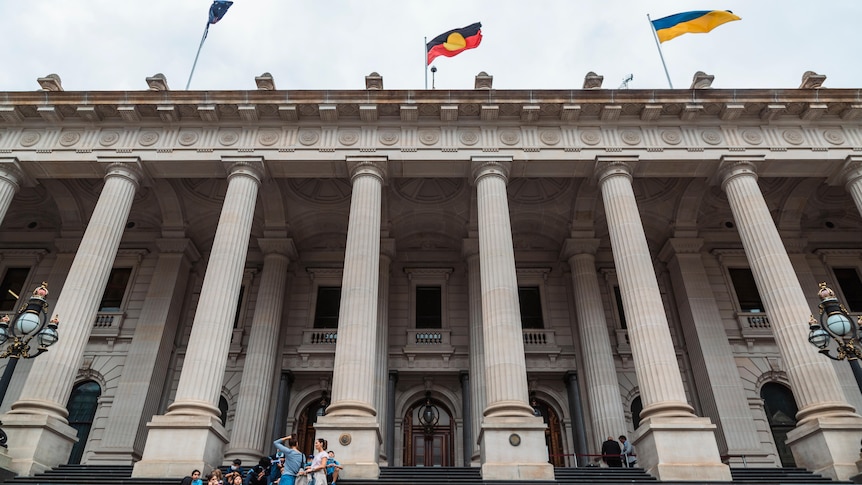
[[222, 407], [851, 286], [429, 307], [112, 299], [326, 310], [82, 409], [622, 313], [637, 407], [746, 290], [238, 307], [531, 307], [13, 281]]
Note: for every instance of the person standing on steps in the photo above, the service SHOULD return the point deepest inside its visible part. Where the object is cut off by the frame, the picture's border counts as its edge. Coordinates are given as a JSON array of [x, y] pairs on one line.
[[317, 470], [611, 453], [291, 467], [628, 452]]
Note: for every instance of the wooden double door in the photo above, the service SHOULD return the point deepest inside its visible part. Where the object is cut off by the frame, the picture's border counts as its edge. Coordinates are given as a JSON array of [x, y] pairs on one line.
[[429, 445]]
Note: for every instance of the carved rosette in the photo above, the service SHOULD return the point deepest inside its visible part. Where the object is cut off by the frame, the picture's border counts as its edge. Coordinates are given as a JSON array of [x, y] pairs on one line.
[[148, 138], [389, 137], [348, 137], [671, 137], [469, 137], [630, 137], [267, 137], [228, 138], [550, 137], [30, 138], [109, 138], [834, 137], [510, 137], [188, 138], [794, 137], [591, 137], [70, 138], [711, 137], [309, 137], [429, 137], [752, 137]]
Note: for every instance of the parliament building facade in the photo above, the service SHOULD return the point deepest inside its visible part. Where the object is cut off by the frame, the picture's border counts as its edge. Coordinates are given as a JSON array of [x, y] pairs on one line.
[[479, 277]]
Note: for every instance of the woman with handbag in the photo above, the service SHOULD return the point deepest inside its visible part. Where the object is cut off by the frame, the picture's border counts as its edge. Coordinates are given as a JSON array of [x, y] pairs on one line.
[[317, 470], [291, 469]]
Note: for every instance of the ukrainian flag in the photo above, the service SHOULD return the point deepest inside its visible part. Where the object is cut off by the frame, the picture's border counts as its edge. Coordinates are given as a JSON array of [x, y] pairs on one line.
[[699, 22]]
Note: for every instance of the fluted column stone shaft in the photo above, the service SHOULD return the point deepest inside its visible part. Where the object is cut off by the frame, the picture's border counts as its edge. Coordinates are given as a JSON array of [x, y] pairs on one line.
[[382, 364], [10, 183], [206, 358], [505, 366], [812, 377], [477, 347], [657, 369], [354, 369], [50, 382], [600, 373], [261, 358]]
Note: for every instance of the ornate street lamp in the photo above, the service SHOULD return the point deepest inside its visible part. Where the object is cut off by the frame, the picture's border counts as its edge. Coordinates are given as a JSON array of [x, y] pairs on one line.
[[835, 324], [429, 415], [31, 322]]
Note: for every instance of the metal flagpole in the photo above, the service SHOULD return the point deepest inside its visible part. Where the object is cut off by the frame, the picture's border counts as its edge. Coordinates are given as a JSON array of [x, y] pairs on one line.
[[197, 55], [658, 45], [425, 61]]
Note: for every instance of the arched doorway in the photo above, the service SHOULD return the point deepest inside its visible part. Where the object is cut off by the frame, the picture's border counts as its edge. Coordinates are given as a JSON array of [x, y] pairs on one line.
[[780, 408], [636, 408], [553, 432], [429, 434], [82, 409], [305, 432]]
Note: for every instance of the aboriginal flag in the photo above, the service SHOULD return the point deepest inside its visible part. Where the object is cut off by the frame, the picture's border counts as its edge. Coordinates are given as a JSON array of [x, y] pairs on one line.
[[454, 42]]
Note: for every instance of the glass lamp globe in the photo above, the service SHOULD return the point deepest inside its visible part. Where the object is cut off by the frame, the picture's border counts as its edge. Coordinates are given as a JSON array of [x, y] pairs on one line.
[[839, 324], [4, 335], [48, 336], [819, 338], [27, 323]]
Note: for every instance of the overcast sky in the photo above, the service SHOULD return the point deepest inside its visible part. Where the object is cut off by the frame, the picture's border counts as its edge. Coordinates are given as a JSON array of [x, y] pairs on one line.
[[97, 45]]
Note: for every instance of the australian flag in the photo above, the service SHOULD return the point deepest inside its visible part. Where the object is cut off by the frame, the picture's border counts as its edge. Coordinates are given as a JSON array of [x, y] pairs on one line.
[[218, 9]]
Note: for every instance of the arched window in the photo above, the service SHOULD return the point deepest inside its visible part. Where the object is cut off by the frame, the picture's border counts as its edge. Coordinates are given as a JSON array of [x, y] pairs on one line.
[[780, 408], [637, 407], [82, 409], [222, 407]]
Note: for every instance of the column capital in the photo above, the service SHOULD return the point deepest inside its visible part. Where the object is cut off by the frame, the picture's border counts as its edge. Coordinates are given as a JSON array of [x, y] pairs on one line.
[[575, 246], [732, 166], [851, 172], [498, 166], [281, 246], [252, 167], [126, 167], [608, 166], [680, 245], [11, 171], [368, 166]]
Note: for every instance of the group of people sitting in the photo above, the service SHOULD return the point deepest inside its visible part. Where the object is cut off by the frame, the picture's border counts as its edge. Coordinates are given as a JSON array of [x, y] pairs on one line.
[[288, 466], [616, 454]]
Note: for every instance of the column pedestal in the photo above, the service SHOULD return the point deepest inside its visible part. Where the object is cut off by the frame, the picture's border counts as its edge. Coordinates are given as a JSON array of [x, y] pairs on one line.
[[827, 445], [355, 440], [202, 439], [514, 449], [41, 442], [679, 449]]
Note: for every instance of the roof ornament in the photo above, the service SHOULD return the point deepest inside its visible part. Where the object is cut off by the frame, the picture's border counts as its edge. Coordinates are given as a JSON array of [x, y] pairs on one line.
[[483, 81], [374, 82], [702, 80], [812, 80], [158, 82], [593, 81], [265, 82], [51, 82]]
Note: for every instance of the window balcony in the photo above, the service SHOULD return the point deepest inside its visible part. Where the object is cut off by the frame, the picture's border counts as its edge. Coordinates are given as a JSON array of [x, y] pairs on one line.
[[108, 324], [428, 342]]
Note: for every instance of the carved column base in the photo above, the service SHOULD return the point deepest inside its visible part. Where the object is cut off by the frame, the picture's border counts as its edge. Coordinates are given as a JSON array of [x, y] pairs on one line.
[[356, 442], [177, 444], [114, 456], [827, 445], [680, 449], [514, 448], [6, 471], [37, 442]]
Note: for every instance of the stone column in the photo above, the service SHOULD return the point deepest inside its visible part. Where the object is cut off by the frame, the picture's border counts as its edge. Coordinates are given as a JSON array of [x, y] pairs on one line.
[[11, 177], [282, 403], [248, 440], [826, 438], [672, 443], [573, 392], [352, 412], [190, 436], [719, 385], [477, 348], [600, 372], [466, 426], [39, 435], [512, 439], [390, 423], [140, 388], [382, 365], [852, 176]]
